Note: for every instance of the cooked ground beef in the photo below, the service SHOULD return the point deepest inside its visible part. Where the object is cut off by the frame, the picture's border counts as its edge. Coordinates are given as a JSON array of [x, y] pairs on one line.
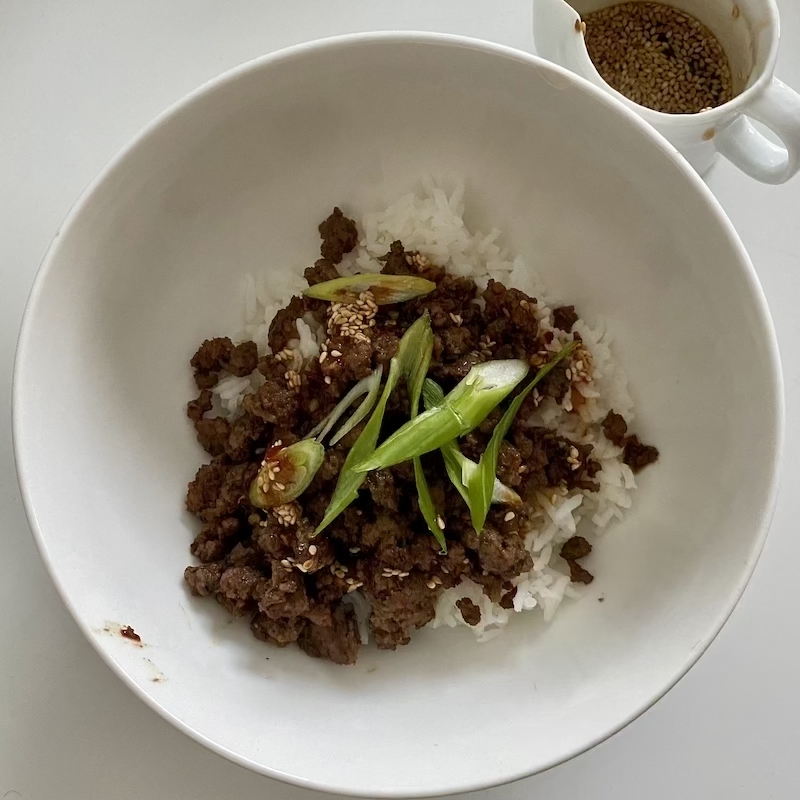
[[339, 236], [635, 454], [470, 612], [292, 586], [615, 428], [577, 574], [576, 547], [564, 317]]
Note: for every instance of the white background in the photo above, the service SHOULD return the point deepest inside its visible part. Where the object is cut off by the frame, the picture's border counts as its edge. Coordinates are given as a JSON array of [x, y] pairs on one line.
[[78, 78]]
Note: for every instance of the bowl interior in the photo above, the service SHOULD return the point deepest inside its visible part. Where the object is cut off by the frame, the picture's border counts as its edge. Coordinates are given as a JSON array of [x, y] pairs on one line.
[[235, 181]]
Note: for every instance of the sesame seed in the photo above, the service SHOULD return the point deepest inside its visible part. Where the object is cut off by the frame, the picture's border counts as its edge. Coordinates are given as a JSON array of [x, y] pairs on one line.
[[440, 523], [312, 550], [280, 486], [437, 580], [659, 56], [403, 574], [328, 379], [509, 516], [431, 585], [355, 550], [322, 356], [285, 563], [445, 570]]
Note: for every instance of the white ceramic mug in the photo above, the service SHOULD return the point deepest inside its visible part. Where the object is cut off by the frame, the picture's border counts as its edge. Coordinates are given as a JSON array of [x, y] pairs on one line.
[[748, 31]]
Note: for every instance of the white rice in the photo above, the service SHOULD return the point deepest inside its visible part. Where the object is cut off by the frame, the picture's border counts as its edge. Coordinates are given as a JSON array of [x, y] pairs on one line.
[[431, 221]]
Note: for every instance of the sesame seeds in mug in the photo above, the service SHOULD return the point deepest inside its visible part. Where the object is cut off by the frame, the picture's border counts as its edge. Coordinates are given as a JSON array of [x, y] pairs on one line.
[[659, 57]]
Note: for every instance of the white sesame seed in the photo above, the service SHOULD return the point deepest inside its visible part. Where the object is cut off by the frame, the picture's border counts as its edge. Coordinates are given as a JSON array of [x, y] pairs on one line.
[[312, 550], [322, 356], [431, 585], [509, 516], [440, 523], [328, 379], [336, 354]]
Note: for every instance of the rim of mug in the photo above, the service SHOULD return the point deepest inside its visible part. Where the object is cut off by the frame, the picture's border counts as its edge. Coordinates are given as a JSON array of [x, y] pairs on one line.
[[663, 118]]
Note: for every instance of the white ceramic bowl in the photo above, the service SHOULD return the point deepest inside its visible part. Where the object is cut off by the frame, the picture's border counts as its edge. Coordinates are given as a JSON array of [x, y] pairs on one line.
[[234, 179]]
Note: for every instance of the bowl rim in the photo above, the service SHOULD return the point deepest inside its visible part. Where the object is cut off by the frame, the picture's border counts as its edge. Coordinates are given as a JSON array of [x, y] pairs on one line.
[[298, 51]]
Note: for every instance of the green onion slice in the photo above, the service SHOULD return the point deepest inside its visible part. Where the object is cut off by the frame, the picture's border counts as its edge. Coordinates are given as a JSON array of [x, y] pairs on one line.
[[385, 289], [463, 409], [286, 473], [481, 484], [409, 351]]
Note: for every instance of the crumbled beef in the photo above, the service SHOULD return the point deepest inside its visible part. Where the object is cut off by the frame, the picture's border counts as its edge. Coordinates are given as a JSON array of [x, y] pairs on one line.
[[384, 346], [274, 402], [556, 384], [237, 589], [212, 355], [509, 463], [578, 574], [292, 584], [573, 549], [469, 611], [457, 341], [203, 580], [215, 538], [381, 486], [244, 433], [338, 642], [243, 359], [195, 409], [501, 552], [323, 270], [576, 547], [339, 236], [204, 489], [283, 327], [615, 428], [507, 599], [212, 433], [564, 317], [637, 455], [453, 295], [395, 262], [398, 607], [511, 317], [283, 596], [280, 632]]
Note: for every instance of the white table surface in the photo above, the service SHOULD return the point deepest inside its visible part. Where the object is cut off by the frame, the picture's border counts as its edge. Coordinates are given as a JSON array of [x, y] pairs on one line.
[[78, 78]]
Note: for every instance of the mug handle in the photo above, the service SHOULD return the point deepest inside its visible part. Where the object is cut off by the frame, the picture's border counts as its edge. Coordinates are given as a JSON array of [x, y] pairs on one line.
[[777, 107]]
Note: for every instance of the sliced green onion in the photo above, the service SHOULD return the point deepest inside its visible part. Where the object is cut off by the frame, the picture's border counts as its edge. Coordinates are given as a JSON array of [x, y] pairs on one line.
[[481, 484], [350, 480], [415, 380], [286, 473], [366, 406], [463, 409], [460, 468], [385, 289], [366, 386]]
